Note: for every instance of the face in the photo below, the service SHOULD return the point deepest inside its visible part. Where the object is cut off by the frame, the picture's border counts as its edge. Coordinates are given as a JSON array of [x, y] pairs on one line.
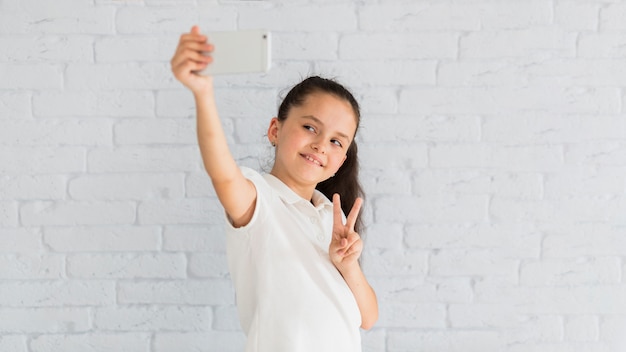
[[312, 142]]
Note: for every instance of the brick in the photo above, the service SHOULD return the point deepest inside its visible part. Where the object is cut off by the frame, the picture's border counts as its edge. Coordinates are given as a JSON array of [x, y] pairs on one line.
[[210, 238], [431, 209], [573, 73], [578, 181], [407, 155], [174, 20], [31, 76], [70, 213], [55, 133], [396, 262], [435, 128], [485, 316], [611, 15], [510, 240], [305, 46], [368, 72], [600, 299], [181, 292], [57, 293], [386, 182], [187, 211], [64, 17], [15, 105], [412, 315], [198, 184], [282, 74], [601, 45], [504, 100], [144, 159], [161, 131], [84, 103], [258, 104], [21, 240], [527, 158], [576, 240], [105, 239], [474, 262], [226, 319], [121, 76], [579, 16], [590, 209], [526, 42], [612, 330], [460, 181], [127, 266], [9, 214], [175, 103], [481, 73], [582, 328], [208, 265], [41, 160], [450, 340], [127, 48], [392, 240], [45, 320], [226, 341], [581, 271], [420, 16], [373, 340], [31, 266], [607, 153], [13, 343], [47, 49], [139, 342], [393, 46], [522, 211], [126, 186], [337, 17], [149, 319], [541, 128]]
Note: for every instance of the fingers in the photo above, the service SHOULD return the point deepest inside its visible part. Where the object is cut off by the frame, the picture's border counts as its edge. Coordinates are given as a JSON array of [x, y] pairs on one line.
[[349, 246], [354, 213], [337, 212]]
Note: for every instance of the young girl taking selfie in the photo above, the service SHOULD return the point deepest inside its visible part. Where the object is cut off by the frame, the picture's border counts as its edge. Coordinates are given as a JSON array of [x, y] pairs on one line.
[[292, 253]]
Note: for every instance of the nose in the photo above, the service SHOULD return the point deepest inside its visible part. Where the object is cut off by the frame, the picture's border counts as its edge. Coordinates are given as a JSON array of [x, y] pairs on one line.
[[317, 146]]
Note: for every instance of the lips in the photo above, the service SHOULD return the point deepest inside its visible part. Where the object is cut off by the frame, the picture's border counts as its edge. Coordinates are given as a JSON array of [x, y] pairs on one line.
[[313, 159]]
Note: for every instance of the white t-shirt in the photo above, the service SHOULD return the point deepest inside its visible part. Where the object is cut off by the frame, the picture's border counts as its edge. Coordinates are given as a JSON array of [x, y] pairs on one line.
[[290, 297]]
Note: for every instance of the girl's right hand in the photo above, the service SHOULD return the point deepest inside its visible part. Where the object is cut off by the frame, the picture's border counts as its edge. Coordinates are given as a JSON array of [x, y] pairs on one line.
[[190, 57]]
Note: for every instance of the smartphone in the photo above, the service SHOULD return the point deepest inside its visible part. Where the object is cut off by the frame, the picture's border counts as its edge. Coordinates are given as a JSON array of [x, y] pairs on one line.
[[246, 51]]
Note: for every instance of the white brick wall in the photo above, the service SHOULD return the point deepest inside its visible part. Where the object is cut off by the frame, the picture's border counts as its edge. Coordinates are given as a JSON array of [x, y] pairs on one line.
[[493, 148]]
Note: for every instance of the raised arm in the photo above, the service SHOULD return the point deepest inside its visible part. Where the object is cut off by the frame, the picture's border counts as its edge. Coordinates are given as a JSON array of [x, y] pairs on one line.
[[235, 192], [345, 249]]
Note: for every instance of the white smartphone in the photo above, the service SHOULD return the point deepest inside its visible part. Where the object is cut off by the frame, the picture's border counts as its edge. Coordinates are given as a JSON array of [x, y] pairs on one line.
[[246, 51]]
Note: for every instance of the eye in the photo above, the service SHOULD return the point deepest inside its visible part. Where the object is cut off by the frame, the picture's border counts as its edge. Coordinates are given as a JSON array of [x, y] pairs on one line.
[[336, 142], [310, 128]]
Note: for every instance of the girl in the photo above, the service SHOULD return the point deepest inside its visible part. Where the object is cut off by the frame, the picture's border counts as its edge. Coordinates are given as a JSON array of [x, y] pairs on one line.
[[293, 260]]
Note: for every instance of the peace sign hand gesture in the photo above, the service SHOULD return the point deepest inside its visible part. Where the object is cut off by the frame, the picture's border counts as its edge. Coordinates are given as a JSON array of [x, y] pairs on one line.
[[346, 245]]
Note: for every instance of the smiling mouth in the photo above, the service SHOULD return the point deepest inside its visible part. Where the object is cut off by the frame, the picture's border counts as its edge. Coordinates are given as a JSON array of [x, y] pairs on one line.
[[311, 159]]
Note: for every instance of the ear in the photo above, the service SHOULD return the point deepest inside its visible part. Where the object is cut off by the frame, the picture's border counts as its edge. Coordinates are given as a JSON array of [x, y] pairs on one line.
[[272, 130]]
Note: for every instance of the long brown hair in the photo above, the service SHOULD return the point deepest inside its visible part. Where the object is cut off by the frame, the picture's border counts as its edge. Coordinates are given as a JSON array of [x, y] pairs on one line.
[[346, 180]]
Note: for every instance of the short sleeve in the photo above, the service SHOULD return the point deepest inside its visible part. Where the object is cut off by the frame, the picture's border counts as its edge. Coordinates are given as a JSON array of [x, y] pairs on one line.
[[261, 187]]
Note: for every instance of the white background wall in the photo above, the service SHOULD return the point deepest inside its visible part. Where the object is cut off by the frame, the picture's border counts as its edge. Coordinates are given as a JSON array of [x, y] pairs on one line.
[[493, 149]]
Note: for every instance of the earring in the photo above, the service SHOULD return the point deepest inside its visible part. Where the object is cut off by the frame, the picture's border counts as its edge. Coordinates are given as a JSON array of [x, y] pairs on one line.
[[273, 144]]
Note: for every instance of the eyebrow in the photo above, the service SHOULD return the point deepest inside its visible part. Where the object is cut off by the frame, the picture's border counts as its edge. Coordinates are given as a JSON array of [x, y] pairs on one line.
[[340, 134]]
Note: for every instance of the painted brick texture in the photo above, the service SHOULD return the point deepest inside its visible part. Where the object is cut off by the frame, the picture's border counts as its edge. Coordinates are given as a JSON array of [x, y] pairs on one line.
[[493, 153]]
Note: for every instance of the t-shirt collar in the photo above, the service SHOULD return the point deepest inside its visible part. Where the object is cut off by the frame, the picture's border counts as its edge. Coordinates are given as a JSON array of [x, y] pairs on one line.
[[291, 197]]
